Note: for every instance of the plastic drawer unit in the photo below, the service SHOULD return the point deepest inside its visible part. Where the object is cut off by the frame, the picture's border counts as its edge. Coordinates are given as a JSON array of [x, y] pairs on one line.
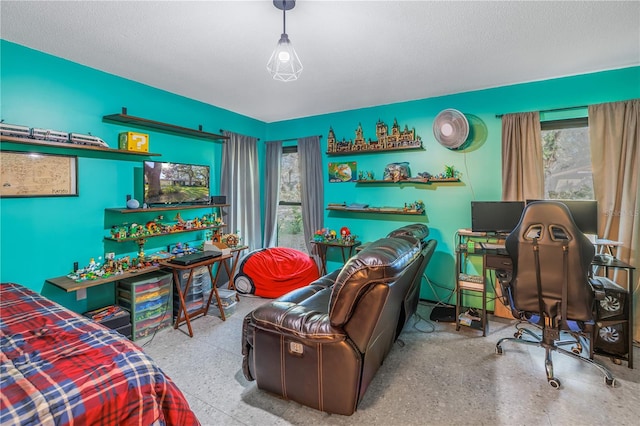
[[195, 297], [149, 298], [228, 302]]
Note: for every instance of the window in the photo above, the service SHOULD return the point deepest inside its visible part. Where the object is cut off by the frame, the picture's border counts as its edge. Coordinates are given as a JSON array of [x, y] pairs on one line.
[[290, 232], [567, 159]]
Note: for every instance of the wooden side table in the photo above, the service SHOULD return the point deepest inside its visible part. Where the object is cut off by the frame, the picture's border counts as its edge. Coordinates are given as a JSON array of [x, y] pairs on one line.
[[345, 248], [235, 257], [183, 314]]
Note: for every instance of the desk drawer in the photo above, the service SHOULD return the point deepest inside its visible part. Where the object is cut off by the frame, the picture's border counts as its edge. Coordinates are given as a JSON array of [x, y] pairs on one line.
[[495, 261]]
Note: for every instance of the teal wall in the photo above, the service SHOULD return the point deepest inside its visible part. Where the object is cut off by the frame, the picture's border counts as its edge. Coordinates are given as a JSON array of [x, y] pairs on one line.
[[447, 205], [42, 237]]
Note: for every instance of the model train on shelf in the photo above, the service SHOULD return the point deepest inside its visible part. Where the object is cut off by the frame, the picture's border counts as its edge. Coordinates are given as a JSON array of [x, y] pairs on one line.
[[47, 135]]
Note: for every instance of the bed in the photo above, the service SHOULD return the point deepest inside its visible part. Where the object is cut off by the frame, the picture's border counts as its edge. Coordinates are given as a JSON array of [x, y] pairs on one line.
[[60, 368], [272, 272]]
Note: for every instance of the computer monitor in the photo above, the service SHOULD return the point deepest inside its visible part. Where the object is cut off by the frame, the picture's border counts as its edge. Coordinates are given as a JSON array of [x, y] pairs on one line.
[[499, 217], [584, 212]]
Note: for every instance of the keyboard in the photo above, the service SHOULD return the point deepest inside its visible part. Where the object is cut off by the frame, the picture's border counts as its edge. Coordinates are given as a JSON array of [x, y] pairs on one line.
[[471, 278], [471, 282], [190, 259]]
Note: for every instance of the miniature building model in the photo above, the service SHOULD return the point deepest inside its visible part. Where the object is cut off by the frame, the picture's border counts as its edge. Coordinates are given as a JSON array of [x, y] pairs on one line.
[[385, 142]]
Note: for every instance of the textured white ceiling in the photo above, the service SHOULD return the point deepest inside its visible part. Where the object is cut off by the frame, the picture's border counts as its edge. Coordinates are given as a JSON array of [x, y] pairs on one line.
[[355, 53]]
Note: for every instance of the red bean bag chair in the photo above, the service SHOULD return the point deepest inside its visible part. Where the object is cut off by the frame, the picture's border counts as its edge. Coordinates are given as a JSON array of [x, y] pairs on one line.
[[275, 271]]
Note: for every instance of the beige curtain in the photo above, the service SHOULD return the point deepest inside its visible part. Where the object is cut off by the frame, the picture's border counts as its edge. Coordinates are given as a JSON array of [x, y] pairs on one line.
[[522, 167], [614, 133]]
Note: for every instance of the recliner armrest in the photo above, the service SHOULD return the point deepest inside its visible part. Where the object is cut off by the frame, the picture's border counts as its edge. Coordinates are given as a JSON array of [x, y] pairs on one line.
[[297, 321]]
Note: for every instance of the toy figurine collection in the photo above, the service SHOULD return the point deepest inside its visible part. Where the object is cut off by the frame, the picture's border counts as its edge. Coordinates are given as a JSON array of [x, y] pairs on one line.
[[326, 235], [400, 172], [157, 226], [95, 270]]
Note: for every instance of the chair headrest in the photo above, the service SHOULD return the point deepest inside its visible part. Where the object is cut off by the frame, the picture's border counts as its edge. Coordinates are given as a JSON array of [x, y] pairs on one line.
[[416, 230]]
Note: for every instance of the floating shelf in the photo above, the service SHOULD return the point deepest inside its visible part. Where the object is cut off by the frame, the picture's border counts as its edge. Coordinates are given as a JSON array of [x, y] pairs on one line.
[[161, 209], [378, 210], [123, 240], [411, 180], [67, 284], [374, 151], [76, 147], [124, 118]]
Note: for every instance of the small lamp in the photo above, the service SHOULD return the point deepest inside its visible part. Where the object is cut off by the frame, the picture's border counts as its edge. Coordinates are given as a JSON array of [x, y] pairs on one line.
[[284, 64]]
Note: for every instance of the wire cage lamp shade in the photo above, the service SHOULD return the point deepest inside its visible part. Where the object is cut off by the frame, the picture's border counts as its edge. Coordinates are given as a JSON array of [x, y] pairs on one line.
[[284, 64]]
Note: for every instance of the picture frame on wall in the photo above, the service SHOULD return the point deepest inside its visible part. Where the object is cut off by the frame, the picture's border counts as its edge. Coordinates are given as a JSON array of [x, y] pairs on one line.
[[345, 171], [33, 174]]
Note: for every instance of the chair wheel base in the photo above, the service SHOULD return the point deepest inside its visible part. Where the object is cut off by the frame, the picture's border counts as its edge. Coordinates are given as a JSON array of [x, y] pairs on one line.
[[499, 350], [555, 383], [610, 382]]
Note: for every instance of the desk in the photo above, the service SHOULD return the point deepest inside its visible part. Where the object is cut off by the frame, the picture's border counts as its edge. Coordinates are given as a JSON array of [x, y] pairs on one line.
[[323, 246], [499, 259], [491, 260], [183, 314]]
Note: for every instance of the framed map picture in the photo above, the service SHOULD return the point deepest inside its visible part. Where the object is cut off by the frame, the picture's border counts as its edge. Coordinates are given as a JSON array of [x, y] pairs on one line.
[[30, 174], [342, 172]]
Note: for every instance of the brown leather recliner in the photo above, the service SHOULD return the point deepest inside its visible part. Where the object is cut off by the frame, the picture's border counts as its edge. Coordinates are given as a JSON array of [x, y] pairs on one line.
[[421, 232], [321, 345]]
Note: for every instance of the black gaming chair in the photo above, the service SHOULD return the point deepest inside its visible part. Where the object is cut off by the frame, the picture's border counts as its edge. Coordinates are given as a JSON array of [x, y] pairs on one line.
[[549, 286]]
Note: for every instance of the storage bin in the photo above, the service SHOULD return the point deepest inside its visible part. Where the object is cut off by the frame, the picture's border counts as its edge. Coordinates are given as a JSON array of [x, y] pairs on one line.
[[195, 298], [228, 310], [110, 316], [227, 297], [125, 330], [149, 299]]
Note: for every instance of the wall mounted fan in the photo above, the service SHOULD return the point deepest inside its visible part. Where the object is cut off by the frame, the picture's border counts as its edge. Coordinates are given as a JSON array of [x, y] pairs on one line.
[[451, 128]]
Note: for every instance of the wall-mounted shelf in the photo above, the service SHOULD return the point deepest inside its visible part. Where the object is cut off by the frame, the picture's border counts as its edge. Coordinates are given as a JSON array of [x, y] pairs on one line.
[[71, 146], [67, 284], [411, 180], [124, 118], [165, 208], [377, 210], [164, 234], [374, 151]]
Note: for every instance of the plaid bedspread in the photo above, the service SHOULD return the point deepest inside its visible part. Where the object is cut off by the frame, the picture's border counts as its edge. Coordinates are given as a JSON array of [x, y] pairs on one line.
[[60, 368]]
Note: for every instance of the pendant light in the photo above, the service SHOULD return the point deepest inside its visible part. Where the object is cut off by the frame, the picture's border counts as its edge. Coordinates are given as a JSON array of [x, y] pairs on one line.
[[284, 64]]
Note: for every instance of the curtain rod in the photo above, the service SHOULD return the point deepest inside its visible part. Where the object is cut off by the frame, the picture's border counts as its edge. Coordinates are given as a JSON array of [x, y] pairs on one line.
[[222, 131], [289, 140], [550, 110]]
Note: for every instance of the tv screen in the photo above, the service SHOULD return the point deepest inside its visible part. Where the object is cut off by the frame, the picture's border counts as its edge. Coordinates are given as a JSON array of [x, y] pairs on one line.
[[175, 183], [499, 217], [584, 212]]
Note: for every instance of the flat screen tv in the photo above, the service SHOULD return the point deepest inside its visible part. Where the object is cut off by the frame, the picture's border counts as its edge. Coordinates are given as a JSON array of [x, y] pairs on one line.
[[498, 217], [175, 183], [584, 212]]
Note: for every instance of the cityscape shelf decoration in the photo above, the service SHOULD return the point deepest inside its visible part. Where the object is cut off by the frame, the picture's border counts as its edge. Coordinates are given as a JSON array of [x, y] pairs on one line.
[[398, 140]]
